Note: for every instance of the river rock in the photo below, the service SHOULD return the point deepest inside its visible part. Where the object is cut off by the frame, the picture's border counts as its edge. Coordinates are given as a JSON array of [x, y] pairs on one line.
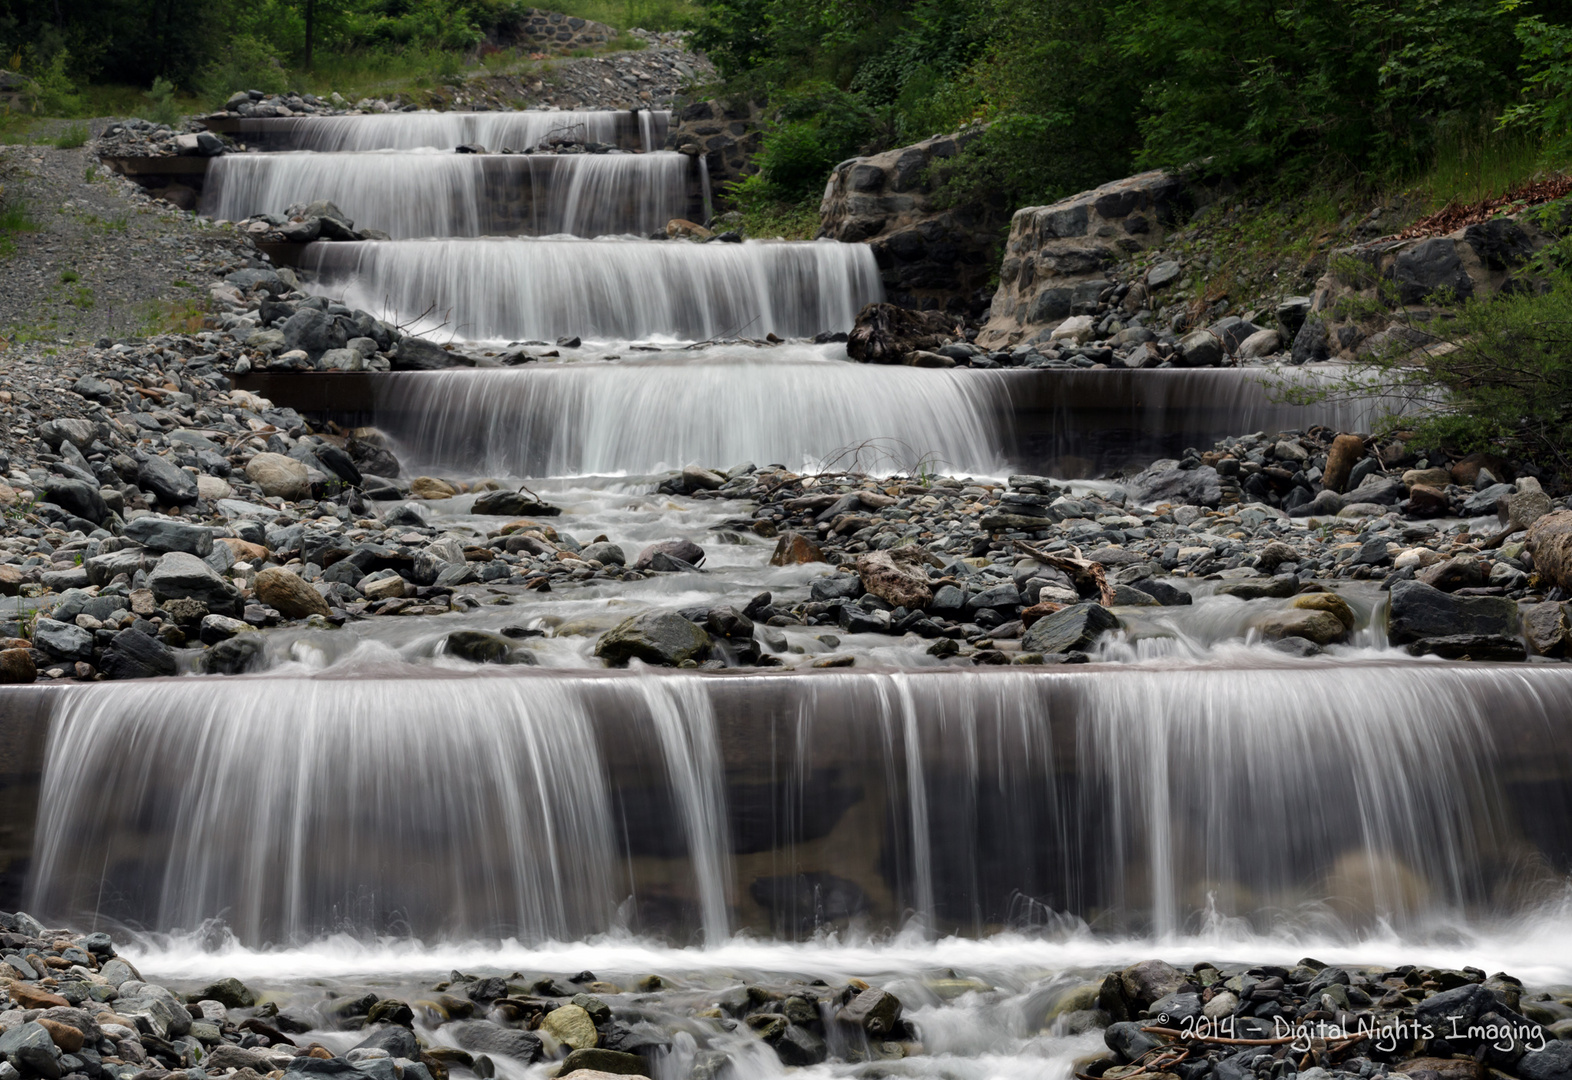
[[484, 1037], [155, 1010], [398, 1041], [76, 497], [481, 647], [230, 993], [135, 655], [289, 593], [1465, 472], [875, 1011], [685, 550], [165, 534], [606, 553], [418, 354], [1544, 625], [181, 575], [1165, 483], [593, 1062], [1460, 572], [1554, 1062], [571, 1026], [1128, 1041], [896, 584], [1428, 620], [886, 333], [239, 654], [64, 641], [313, 332], [513, 504], [794, 549], [66, 1037], [1526, 506], [655, 638], [1345, 453], [1075, 628], [1201, 349], [1321, 627], [168, 482], [30, 1050], [279, 476], [429, 487], [1329, 602]]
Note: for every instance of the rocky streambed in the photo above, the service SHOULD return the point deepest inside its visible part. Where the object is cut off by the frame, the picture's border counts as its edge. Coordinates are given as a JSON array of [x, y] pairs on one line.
[[71, 1006]]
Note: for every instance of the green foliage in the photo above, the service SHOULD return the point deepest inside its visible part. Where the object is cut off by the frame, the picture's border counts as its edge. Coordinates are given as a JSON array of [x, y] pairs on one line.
[[1546, 72], [55, 92], [817, 128], [162, 95], [15, 217], [766, 216], [1490, 373], [73, 136]]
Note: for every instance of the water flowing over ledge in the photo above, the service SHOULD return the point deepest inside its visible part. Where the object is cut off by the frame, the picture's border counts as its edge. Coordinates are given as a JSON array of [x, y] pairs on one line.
[[644, 130], [1346, 796], [720, 408], [630, 290], [411, 195]]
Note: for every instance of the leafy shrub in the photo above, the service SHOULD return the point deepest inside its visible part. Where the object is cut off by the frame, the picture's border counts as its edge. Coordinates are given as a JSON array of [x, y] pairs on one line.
[[73, 136], [162, 95]]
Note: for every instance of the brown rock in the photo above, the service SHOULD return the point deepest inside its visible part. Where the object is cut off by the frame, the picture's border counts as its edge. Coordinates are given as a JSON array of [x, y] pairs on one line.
[[16, 666], [1426, 501], [885, 333], [10, 579], [1436, 478], [143, 603], [243, 550], [1328, 602], [1466, 471], [65, 1036], [31, 997], [1321, 627], [1443, 1068], [1550, 539], [429, 487], [1340, 461], [286, 591], [683, 229], [1461, 572], [279, 476], [793, 549], [892, 582], [1038, 611]]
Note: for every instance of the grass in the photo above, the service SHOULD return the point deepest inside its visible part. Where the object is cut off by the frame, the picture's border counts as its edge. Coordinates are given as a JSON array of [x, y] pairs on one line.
[[171, 317], [1474, 162], [15, 217], [73, 136], [764, 218], [628, 14]]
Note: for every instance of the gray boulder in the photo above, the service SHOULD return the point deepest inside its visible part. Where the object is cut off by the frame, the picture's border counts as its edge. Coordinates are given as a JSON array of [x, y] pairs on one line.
[[655, 638], [314, 332], [135, 655], [418, 354], [484, 1037], [155, 1010], [164, 534], [180, 574], [1201, 349], [685, 550], [29, 1049], [1193, 487], [481, 647], [76, 497], [1427, 620], [1311, 343], [513, 504], [170, 484], [1075, 628], [64, 641], [1431, 267]]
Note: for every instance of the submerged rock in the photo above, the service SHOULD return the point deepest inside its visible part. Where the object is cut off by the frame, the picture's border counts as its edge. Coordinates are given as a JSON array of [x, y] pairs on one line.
[[655, 638]]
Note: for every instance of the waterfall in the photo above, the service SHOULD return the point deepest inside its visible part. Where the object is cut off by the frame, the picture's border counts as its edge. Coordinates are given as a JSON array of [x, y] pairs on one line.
[[644, 130], [536, 803], [515, 290], [425, 194], [718, 408]]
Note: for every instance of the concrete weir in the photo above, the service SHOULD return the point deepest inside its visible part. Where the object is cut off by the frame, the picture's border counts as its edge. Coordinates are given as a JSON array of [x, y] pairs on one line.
[[540, 803]]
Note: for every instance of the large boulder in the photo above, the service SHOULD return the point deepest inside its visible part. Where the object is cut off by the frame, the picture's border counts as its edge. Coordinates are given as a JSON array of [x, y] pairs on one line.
[[1321, 627], [658, 555], [279, 476], [655, 638], [1427, 620], [418, 354], [62, 640], [1550, 540], [897, 584], [165, 534], [794, 549], [290, 594], [29, 1049], [181, 575], [135, 655], [313, 332], [1346, 452], [513, 504], [1165, 482], [484, 1037], [1075, 628], [76, 497]]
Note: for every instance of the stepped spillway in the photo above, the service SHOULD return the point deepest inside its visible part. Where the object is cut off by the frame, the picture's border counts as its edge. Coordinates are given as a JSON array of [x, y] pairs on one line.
[[434, 194], [554, 807], [608, 289], [643, 130]]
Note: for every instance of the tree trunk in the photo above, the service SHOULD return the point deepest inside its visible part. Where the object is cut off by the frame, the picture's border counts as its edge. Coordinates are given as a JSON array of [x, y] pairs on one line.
[[311, 10]]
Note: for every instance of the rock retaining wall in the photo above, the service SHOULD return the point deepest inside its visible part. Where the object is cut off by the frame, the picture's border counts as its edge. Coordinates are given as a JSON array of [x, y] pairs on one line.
[[930, 256], [726, 135], [1057, 258], [554, 31]]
